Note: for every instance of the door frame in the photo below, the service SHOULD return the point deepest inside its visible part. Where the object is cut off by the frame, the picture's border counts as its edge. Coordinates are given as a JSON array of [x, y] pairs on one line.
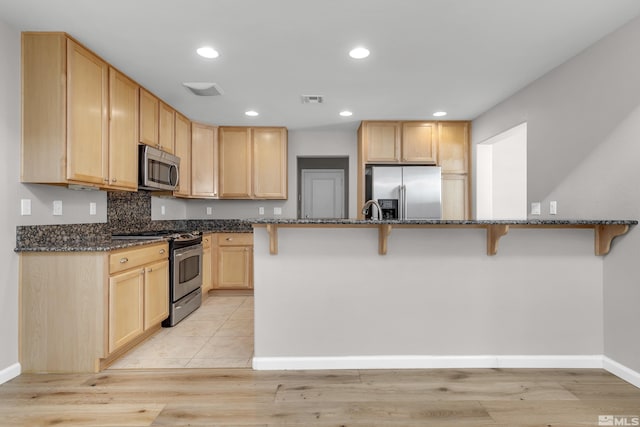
[[338, 162]]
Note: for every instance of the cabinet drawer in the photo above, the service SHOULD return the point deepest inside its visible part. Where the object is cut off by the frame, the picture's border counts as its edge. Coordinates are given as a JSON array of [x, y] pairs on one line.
[[130, 258], [235, 239]]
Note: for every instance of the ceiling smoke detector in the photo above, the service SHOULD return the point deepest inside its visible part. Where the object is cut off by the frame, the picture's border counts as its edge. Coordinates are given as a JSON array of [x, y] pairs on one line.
[[203, 88], [312, 99]]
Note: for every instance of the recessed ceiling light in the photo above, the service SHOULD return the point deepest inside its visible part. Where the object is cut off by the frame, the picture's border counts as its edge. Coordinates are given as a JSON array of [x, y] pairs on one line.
[[208, 52], [346, 113], [251, 113], [359, 53], [440, 113]]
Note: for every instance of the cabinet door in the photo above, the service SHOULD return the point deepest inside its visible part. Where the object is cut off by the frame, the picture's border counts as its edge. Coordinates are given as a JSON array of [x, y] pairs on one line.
[[87, 127], [123, 131], [382, 142], [149, 118], [204, 160], [453, 147], [183, 150], [270, 163], [166, 131], [419, 142], [126, 293], [235, 163], [207, 279], [455, 197], [156, 293], [234, 267]]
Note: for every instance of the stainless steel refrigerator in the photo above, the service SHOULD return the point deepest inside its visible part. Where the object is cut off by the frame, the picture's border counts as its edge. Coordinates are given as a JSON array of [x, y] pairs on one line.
[[405, 192]]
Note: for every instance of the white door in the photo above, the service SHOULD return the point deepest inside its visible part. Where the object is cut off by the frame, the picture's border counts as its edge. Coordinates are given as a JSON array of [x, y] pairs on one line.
[[322, 193]]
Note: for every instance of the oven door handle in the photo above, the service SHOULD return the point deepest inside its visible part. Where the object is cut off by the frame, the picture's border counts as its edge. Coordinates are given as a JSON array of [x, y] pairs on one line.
[[180, 254]]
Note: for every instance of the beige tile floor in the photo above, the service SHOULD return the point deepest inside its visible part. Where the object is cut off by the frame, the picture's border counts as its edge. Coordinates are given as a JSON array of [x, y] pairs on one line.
[[217, 335]]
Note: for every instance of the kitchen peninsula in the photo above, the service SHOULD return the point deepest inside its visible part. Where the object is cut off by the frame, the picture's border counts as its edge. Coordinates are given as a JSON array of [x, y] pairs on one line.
[[325, 297]]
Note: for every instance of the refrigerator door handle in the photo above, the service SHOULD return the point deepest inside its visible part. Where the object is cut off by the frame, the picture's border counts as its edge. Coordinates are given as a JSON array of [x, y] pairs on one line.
[[403, 197]]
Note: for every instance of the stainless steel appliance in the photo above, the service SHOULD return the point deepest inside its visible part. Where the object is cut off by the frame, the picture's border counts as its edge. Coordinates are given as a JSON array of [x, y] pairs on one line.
[[185, 270], [157, 169], [405, 192]]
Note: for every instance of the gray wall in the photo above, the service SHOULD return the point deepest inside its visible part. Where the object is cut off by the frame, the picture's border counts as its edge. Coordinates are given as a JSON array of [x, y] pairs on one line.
[[583, 123], [327, 293], [10, 152]]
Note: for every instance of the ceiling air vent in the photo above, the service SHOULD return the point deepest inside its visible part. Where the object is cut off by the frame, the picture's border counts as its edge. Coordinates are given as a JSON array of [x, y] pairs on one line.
[[312, 99], [203, 88]]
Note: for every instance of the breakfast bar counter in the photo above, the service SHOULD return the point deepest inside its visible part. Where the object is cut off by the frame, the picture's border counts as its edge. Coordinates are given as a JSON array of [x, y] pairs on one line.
[[353, 294], [604, 230]]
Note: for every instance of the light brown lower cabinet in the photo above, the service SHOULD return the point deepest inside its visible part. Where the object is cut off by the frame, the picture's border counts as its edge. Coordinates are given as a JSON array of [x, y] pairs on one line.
[[80, 311], [207, 278], [234, 253], [455, 196]]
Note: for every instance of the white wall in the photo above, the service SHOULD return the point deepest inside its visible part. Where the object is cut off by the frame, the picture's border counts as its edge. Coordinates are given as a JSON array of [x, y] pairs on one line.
[[501, 175], [10, 152], [583, 122]]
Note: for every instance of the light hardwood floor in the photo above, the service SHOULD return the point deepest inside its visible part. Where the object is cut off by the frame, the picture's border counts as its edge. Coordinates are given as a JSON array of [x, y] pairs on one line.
[[242, 397]]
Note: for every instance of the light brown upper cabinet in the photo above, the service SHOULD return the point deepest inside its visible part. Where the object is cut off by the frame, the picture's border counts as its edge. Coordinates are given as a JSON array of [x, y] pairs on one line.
[[204, 161], [157, 122], [166, 132], [419, 142], [123, 131], [453, 147], [67, 118], [253, 163], [183, 150], [382, 141], [399, 142], [235, 163], [149, 118]]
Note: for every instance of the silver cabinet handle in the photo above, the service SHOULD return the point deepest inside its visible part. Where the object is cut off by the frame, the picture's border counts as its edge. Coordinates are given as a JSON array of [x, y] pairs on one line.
[[162, 251], [123, 260], [228, 239], [149, 270]]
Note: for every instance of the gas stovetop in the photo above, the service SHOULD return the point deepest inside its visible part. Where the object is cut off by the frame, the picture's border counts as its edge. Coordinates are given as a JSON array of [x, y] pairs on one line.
[[158, 235]]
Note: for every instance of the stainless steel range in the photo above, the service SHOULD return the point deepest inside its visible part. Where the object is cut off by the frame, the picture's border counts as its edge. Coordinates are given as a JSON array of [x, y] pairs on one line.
[[185, 270]]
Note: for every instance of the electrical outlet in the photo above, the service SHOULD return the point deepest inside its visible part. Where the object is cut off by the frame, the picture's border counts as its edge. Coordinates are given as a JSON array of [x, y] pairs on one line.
[[553, 207], [209, 210], [57, 207], [92, 208], [163, 210], [535, 208], [25, 207], [261, 210], [277, 211]]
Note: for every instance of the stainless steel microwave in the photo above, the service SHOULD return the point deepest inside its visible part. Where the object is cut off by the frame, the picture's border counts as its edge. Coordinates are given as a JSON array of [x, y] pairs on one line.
[[158, 170]]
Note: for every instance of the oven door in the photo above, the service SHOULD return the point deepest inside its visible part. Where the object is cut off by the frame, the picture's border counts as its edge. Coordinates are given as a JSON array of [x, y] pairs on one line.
[[187, 270]]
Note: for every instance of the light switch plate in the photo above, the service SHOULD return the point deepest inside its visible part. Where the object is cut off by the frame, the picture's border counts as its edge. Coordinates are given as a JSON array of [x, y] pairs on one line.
[[25, 206], [553, 207], [92, 208], [209, 210], [261, 210], [57, 207], [163, 210], [277, 211]]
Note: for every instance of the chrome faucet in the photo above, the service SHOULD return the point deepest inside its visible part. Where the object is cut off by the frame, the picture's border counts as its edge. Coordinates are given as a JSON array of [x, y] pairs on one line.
[[365, 208]]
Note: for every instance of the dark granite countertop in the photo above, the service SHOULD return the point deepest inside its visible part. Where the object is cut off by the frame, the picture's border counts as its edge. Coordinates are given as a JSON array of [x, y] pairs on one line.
[[435, 222], [97, 237]]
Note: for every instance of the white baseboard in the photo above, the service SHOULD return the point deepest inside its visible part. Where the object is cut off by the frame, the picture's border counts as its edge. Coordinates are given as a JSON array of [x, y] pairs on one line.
[[425, 362], [10, 372], [622, 371]]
